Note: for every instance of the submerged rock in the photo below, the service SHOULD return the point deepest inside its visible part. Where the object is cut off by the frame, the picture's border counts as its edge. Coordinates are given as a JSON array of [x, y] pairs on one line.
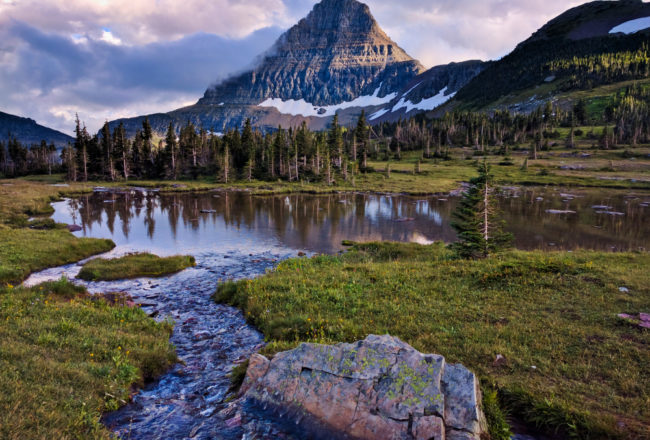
[[376, 388]]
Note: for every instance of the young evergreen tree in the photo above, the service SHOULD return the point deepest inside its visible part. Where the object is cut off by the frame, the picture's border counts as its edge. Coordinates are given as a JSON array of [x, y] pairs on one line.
[[361, 137], [476, 219]]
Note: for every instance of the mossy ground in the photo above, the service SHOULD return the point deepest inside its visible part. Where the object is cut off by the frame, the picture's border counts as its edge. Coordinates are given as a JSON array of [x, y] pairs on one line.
[[134, 266], [571, 363], [66, 358]]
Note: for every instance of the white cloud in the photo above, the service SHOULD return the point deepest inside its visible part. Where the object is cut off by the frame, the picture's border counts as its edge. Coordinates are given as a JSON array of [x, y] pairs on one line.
[[108, 37]]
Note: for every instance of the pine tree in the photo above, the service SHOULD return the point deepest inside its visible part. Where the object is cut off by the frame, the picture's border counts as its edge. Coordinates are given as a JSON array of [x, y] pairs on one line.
[[361, 137], [476, 219], [171, 151]]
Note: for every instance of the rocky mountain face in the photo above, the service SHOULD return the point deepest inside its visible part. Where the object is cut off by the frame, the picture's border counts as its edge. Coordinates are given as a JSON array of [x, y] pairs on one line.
[[28, 132], [429, 90], [335, 56]]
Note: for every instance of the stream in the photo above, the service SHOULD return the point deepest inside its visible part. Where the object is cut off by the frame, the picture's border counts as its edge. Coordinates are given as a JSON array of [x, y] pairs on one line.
[[234, 235]]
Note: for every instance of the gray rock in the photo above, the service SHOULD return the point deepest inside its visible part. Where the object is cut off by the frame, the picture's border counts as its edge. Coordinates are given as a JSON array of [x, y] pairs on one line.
[[376, 388]]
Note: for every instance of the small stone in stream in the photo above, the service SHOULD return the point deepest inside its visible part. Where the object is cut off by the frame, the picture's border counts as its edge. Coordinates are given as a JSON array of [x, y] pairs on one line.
[[234, 422], [208, 412], [74, 228], [154, 314], [301, 254], [208, 211]]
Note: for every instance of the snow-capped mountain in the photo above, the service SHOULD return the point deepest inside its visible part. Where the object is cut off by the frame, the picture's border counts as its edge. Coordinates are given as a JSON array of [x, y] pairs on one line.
[[335, 60]]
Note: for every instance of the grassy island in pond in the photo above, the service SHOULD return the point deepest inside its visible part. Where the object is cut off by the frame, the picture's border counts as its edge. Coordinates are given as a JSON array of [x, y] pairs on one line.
[[67, 357], [570, 363], [134, 266]]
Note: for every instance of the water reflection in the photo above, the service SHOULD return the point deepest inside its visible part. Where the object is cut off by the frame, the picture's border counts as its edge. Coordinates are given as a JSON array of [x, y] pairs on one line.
[[171, 223]]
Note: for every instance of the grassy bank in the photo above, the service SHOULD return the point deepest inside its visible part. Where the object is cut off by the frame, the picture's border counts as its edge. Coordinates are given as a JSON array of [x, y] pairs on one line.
[[134, 266], [571, 363], [65, 359], [28, 246]]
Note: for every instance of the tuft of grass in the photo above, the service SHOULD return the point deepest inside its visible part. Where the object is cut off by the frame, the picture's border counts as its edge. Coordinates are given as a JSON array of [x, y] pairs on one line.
[[237, 376], [135, 265], [67, 357], [498, 427], [551, 315]]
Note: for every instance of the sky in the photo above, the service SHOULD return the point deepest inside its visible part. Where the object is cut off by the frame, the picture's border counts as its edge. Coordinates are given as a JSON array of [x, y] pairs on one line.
[[107, 59]]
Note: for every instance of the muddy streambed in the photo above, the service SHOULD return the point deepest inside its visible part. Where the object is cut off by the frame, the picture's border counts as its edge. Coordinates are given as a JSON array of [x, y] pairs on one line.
[[235, 235]]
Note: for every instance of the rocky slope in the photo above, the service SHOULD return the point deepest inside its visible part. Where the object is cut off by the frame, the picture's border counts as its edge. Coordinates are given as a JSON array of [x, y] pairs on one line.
[[429, 90], [28, 132], [335, 54]]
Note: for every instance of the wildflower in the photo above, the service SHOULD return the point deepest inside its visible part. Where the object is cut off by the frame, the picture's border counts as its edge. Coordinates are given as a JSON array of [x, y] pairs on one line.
[[92, 355], [128, 352], [119, 347], [10, 286]]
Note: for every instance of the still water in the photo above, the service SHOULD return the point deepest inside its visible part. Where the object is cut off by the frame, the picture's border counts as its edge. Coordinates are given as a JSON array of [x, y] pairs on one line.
[[235, 235], [170, 223]]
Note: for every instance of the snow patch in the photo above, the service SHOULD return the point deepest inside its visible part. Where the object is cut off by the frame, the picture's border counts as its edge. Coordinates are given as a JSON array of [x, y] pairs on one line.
[[301, 107], [378, 114], [632, 26], [425, 104], [412, 88]]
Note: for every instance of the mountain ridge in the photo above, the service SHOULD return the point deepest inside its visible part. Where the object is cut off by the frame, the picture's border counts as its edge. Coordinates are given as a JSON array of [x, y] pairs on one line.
[[28, 132]]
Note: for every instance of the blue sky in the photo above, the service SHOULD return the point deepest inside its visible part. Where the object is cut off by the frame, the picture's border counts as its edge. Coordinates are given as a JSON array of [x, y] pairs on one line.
[[107, 59]]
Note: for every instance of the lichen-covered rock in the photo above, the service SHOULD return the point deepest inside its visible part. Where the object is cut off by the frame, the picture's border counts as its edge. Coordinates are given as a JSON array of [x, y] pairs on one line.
[[378, 388]]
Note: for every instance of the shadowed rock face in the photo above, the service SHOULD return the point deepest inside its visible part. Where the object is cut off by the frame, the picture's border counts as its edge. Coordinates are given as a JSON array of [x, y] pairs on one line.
[[335, 54], [376, 388]]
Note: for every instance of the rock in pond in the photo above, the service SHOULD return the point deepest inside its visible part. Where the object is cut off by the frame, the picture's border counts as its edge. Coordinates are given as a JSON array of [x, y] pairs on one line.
[[378, 388]]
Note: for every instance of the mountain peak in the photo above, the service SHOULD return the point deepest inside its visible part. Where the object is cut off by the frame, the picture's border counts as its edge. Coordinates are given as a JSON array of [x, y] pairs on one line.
[[335, 54]]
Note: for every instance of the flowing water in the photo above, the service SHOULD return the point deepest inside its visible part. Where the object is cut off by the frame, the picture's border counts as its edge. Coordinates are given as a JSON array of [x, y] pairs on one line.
[[235, 235]]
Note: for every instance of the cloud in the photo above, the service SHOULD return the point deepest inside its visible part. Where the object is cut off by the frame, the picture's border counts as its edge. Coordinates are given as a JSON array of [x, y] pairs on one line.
[[50, 77], [117, 58]]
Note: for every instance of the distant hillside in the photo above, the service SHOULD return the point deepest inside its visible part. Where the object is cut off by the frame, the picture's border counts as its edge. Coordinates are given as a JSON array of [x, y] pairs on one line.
[[28, 132], [579, 50]]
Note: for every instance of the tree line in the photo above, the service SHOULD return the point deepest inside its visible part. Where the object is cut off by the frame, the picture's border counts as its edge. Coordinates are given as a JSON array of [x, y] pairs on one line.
[[339, 153]]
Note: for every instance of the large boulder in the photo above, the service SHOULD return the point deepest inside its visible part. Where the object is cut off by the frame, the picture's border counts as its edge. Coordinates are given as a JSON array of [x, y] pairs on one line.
[[378, 388]]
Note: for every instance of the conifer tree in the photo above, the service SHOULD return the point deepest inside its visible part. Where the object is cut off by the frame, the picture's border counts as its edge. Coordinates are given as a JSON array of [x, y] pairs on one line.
[[361, 135], [476, 221]]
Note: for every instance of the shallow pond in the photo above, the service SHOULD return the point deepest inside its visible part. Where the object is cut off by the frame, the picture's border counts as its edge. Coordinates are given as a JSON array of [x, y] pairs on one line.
[[236, 235], [172, 223]]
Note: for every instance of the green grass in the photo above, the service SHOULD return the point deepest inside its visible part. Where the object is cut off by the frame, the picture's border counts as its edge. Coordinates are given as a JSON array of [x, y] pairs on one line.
[[552, 311], [134, 266], [26, 247], [65, 358]]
